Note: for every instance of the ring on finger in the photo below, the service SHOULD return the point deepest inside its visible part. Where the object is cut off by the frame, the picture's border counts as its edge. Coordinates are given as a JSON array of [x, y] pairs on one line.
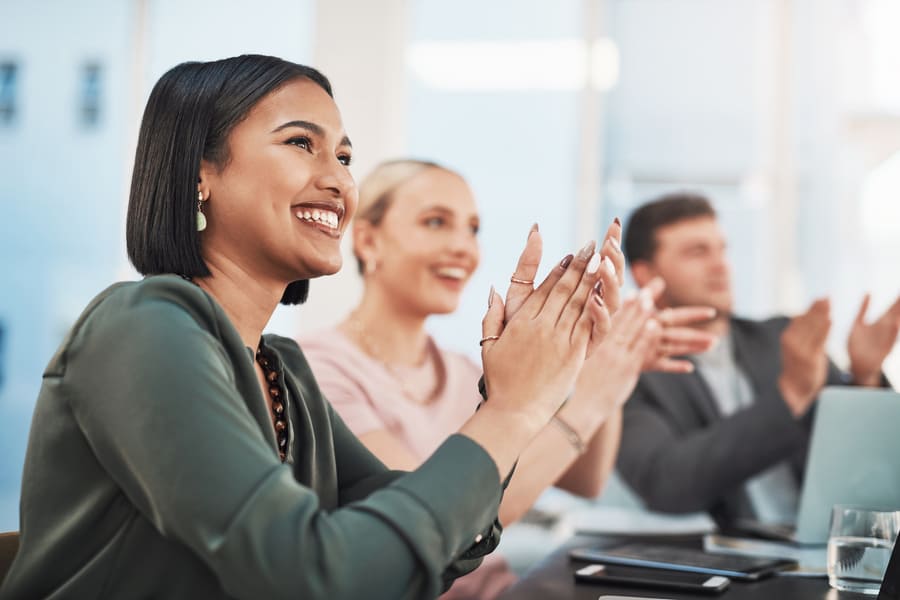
[[515, 279], [488, 338]]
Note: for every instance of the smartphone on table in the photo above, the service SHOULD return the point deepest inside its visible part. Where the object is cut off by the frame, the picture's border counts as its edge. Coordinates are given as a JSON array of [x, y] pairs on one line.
[[652, 578], [746, 568]]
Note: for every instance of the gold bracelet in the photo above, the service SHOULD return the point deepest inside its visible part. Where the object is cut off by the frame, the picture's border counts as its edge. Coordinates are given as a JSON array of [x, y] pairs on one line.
[[570, 434]]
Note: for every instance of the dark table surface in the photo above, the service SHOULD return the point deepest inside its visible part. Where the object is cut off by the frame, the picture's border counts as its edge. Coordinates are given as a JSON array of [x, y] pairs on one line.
[[553, 578]]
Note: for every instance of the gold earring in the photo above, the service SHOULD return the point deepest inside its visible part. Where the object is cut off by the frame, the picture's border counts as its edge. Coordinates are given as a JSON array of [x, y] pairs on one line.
[[201, 218]]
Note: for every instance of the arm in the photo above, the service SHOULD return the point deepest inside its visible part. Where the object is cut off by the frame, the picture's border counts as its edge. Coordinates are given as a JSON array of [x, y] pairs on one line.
[[587, 477], [676, 471], [166, 421]]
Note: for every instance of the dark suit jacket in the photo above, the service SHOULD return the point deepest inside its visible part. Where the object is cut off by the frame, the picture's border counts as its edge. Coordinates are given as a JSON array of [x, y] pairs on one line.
[[678, 452]]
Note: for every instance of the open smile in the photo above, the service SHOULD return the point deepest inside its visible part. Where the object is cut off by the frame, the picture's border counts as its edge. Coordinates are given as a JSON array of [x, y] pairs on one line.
[[326, 217]]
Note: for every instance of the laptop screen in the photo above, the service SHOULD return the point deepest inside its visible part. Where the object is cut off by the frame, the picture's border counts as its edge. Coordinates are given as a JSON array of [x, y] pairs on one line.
[[890, 586]]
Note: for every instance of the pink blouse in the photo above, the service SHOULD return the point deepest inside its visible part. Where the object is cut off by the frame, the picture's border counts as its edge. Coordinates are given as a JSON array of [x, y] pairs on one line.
[[371, 397]]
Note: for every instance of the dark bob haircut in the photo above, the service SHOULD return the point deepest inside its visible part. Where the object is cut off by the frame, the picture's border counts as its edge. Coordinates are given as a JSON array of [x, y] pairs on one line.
[[189, 116], [640, 234]]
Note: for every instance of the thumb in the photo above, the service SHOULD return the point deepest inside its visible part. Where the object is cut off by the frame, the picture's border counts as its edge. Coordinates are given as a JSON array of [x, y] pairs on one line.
[[863, 308], [492, 324]]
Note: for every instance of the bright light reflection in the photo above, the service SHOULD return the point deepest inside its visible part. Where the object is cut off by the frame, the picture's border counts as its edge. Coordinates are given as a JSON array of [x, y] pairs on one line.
[[550, 65]]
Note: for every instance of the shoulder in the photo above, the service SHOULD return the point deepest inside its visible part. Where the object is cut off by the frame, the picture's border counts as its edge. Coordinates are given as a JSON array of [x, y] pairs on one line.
[[158, 310]]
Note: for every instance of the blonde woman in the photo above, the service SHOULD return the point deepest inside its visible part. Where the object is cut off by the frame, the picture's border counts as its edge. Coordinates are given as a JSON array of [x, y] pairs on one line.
[[416, 242]]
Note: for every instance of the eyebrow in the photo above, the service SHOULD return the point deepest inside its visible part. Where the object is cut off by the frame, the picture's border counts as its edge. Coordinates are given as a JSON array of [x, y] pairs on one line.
[[446, 210], [312, 128]]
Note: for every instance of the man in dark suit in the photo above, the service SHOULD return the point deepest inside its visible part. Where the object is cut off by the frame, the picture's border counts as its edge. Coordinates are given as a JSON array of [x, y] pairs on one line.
[[731, 437]]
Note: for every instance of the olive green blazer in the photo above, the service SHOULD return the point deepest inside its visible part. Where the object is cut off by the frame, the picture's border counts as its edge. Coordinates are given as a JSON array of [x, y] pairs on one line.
[[152, 472]]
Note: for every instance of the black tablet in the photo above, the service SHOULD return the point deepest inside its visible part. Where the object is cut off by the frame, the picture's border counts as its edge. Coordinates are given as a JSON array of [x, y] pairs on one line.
[[748, 568]]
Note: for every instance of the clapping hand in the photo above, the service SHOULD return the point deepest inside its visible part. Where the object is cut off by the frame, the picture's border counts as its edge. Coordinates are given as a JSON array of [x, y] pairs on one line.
[[804, 363], [870, 343]]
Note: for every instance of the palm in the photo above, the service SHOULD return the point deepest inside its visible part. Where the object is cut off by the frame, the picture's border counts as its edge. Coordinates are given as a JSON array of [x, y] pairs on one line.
[[870, 343]]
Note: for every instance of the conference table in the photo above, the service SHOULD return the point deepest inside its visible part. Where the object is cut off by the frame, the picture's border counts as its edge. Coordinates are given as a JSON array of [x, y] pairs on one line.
[[552, 578]]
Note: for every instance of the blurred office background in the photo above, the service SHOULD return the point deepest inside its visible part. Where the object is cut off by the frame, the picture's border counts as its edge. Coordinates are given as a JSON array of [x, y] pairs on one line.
[[564, 112]]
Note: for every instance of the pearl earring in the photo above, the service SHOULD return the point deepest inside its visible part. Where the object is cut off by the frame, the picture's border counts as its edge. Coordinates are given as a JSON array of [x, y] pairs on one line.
[[201, 218]]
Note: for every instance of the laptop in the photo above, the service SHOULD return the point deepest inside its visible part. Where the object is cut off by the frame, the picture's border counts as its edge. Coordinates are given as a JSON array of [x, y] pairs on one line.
[[890, 585], [854, 457]]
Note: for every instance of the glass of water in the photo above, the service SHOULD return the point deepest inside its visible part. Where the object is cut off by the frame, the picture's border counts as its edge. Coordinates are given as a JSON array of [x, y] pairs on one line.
[[859, 547]]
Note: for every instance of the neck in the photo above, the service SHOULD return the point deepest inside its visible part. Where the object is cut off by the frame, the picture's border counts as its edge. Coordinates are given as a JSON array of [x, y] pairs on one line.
[[247, 300], [393, 333]]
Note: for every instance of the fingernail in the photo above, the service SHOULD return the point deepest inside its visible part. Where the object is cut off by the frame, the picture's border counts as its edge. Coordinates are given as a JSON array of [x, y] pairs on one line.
[[534, 229], [615, 243], [607, 264], [598, 289], [586, 250], [598, 300], [593, 264], [564, 263], [491, 297], [617, 221]]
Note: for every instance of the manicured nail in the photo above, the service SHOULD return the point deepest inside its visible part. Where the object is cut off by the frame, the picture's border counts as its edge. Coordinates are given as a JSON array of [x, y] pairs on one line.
[[617, 221], [598, 289], [564, 263], [534, 229], [586, 250], [593, 264], [598, 300], [491, 297], [615, 243], [607, 264]]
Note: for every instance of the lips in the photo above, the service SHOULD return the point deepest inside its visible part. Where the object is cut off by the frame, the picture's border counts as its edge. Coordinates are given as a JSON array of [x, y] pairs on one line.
[[457, 273]]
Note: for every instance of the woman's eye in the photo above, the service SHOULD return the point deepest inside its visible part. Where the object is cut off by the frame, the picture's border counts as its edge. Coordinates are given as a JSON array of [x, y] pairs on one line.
[[475, 228], [434, 222], [301, 142], [345, 159]]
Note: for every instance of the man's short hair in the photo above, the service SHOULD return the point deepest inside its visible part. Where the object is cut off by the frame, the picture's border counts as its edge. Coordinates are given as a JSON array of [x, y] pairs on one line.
[[640, 232]]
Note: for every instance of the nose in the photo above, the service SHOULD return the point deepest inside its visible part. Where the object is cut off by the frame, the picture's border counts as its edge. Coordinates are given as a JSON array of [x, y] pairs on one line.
[[463, 242], [335, 178]]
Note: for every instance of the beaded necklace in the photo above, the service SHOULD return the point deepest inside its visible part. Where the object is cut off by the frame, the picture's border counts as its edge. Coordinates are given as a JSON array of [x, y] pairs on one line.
[[279, 417]]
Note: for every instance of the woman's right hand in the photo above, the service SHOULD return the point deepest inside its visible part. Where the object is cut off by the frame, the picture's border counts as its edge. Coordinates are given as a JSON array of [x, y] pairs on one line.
[[533, 364]]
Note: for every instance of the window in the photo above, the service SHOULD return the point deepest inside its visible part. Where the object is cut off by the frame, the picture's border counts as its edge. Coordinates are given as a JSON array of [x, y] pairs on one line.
[[89, 94], [9, 72]]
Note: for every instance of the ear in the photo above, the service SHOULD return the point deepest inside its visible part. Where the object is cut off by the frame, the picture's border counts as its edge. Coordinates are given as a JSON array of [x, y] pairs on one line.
[[207, 172], [365, 241], [642, 272]]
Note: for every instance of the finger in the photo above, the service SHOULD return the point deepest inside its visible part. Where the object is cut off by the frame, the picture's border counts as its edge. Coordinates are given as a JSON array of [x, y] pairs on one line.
[[601, 320], [648, 337], [558, 297], [492, 323], [678, 341], [894, 310], [671, 365], [861, 313], [610, 289], [612, 249], [685, 315], [526, 270], [575, 309], [627, 323]]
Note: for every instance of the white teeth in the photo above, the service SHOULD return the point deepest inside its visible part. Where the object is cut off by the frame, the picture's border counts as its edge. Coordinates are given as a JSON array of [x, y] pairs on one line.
[[452, 272], [325, 217]]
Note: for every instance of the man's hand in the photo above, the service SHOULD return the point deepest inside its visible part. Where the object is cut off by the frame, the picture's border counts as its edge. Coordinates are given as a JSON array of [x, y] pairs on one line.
[[804, 365], [870, 343]]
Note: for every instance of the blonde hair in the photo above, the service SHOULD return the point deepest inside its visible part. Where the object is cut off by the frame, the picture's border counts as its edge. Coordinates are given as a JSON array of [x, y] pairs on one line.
[[376, 190]]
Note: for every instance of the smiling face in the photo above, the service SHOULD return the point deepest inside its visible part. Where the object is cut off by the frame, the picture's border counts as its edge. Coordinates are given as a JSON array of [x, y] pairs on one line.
[[279, 205], [425, 247]]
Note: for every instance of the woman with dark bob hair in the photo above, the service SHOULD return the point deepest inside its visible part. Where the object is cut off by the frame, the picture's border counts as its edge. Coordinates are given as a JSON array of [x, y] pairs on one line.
[[177, 452]]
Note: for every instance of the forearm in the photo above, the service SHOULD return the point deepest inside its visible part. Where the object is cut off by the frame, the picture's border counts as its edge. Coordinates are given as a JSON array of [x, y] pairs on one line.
[[551, 455], [588, 475], [677, 472]]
